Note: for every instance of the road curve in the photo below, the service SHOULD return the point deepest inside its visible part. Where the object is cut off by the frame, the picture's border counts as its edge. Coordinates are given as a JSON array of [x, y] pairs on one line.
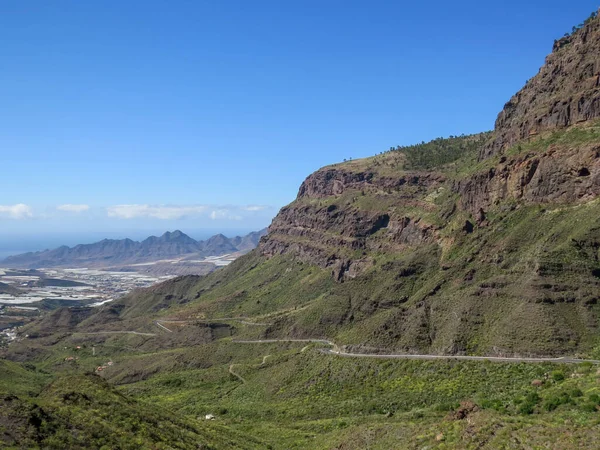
[[336, 351], [272, 341]]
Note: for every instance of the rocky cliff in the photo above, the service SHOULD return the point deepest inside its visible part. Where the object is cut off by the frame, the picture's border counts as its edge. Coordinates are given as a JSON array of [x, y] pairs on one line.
[[566, 91], [558, 171], [336, 218], [496, 249]]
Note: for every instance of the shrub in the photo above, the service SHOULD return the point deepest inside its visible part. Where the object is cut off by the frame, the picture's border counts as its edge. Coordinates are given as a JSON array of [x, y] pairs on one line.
[[554, 401], [445, 407], [527, 405], [558, 376], [495, 404], [533, 397], [526, 408], [585, 367], [589, 407], [575, 392]]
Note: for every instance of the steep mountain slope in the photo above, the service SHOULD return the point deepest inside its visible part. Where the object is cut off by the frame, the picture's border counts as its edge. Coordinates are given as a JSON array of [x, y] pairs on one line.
[[125, 251], [484, 244]]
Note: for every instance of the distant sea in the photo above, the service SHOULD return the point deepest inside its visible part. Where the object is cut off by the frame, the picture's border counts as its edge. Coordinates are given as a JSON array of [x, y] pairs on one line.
[[15, 244]]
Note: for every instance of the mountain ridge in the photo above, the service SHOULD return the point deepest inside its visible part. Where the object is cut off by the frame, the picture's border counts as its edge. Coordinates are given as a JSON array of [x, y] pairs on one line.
[[127, 251]]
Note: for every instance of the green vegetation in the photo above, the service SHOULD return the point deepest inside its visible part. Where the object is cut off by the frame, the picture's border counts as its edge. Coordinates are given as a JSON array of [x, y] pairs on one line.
[[501, 287], [565, 39], [298, 397], [441, 151], [572, 137], [83, 411]]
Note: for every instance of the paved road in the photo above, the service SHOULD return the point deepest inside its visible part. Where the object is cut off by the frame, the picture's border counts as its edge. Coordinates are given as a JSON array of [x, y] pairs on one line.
[[336, 351], [563, 359]]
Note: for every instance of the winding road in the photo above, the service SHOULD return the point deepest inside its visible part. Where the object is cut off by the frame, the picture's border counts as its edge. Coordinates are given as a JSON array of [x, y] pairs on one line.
[[238, 376], [336, 351]]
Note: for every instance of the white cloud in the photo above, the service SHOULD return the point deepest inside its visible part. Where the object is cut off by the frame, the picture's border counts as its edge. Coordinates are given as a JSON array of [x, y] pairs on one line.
[[254, 208], [163, 212], [73, 208], [18, 211], [173, 212], [223, 214]]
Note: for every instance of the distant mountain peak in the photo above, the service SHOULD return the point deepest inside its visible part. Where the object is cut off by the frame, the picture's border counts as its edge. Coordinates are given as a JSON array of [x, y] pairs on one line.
[[125, 251]]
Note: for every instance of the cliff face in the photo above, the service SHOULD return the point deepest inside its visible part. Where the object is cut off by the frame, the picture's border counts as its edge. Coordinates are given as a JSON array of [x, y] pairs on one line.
[[566, 91], [345, 214], [564, 174], [339, 218]]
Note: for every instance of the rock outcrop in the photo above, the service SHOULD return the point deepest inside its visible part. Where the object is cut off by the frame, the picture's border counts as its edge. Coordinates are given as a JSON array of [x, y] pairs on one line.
[[333, 225], [566, 91], [566, 175]]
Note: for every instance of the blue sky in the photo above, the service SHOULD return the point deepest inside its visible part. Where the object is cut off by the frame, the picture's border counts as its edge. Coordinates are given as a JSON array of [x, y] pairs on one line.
[[150, 115]]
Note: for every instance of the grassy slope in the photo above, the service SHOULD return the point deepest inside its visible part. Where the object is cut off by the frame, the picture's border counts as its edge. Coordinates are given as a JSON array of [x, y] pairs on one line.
[[510, 287], [310, 400], [84, 411]]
